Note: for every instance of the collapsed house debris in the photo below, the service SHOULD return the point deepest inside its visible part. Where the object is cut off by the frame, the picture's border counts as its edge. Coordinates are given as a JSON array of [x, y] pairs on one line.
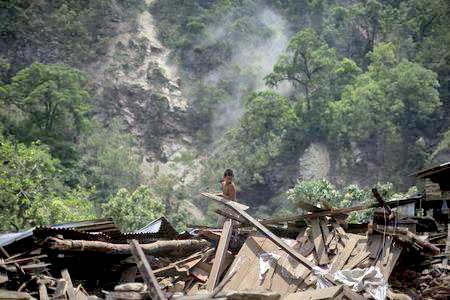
[[401, 254]]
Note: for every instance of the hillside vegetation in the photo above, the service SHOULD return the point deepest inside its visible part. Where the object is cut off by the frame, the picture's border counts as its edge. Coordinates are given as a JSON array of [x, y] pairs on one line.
[[368, 80]]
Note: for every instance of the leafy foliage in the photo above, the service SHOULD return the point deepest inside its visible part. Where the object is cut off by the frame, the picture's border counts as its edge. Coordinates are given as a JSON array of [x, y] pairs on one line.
[[69, 31], [307, 64], [132, 211], [318, 191], [390, 105], [109, 160], [51, 102], [264, 128], [32, 190]]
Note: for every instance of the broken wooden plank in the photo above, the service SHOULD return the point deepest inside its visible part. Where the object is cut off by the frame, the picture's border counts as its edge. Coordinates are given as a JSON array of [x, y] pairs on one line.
[[319, 245], [70, 290], [223, 200], [81, 293], [222, 284], [4, 252], [13, 295], [61, 289], [154, 289], [356, 260], [388, 262], [172, 269], [381, 201], [126, 296], [348, 293], [230, 216], [219, 258], [447, 249], [26, 259], [319, 294], [342, 257], [407, 236], [341, 233], [327, 235], [43, 295], [270, 235], [309, 207]]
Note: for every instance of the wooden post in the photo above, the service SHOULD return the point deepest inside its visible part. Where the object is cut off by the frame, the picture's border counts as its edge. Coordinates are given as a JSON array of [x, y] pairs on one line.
[[222, 284], [42, 291], [322, 256], [381, 201], [279, 242], [70, 290], [221, 252], [154, 289]]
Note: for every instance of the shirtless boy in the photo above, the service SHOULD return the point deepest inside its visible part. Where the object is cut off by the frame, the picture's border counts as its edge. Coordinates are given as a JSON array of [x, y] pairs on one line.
[[228, 187]]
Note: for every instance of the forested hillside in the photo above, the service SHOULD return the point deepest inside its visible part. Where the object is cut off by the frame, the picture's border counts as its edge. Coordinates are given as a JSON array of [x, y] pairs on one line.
[[130, 108]]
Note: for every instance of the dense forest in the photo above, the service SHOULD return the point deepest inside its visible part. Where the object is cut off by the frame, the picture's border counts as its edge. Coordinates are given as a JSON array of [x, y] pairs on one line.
[[128, 109]]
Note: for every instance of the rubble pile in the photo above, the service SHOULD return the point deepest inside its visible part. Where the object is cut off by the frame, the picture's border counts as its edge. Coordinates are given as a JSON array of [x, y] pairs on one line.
[[312, 255]]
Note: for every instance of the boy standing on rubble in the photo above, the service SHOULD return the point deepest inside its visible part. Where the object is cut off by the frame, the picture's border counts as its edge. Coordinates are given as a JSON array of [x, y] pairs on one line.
[[228, 187], [228, 190]]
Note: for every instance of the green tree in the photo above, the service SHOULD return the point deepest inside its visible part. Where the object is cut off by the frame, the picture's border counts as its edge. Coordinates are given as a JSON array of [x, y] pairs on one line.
[[258, 140], [389, 107], [314, 191], [109, 159], [130, 211], [32, 190], [307, 63], [53, 102]]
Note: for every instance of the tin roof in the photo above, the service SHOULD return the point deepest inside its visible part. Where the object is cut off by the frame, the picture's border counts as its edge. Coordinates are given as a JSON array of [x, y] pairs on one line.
[[160, 225], [433, 170], [100, 225]]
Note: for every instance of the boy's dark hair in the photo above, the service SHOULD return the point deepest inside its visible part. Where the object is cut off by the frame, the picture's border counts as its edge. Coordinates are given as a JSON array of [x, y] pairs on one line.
[[228, 172]]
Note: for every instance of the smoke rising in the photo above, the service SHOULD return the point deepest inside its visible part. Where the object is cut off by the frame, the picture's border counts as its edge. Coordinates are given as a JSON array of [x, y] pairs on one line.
[[255, 50]]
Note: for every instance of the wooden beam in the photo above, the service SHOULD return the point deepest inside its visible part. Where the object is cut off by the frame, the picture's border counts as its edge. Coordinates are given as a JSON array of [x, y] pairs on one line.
[[61, 289], [221, 253], [70, 290], [381, 201], [13, 295], [230, 216], [222, 284], [4, 252], [447, 248], [319, 245], [154, 289], [173, 268], [297, 256], [356, 260], [405, 235], [174, 248], [309, 207], [342, 257], [224, 200], [43, 295]]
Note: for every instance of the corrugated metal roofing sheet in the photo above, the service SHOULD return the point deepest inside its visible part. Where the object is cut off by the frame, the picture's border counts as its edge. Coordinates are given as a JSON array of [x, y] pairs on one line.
[[433, 170], [9, 238], [160, 225], [99, 225]]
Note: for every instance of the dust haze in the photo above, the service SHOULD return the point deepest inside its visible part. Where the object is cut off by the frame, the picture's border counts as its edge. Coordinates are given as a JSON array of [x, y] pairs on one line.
[[253, 57]]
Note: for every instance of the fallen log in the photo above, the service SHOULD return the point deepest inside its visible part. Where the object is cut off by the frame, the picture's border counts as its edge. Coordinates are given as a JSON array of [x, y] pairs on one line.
[[407, 236], [175, 248]]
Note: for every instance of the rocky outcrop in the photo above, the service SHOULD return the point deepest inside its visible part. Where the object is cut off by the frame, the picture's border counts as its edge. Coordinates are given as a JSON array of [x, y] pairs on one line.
[[136, 81]]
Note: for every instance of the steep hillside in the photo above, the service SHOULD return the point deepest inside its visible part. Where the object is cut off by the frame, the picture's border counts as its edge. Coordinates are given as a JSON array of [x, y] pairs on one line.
[[140, 104]]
